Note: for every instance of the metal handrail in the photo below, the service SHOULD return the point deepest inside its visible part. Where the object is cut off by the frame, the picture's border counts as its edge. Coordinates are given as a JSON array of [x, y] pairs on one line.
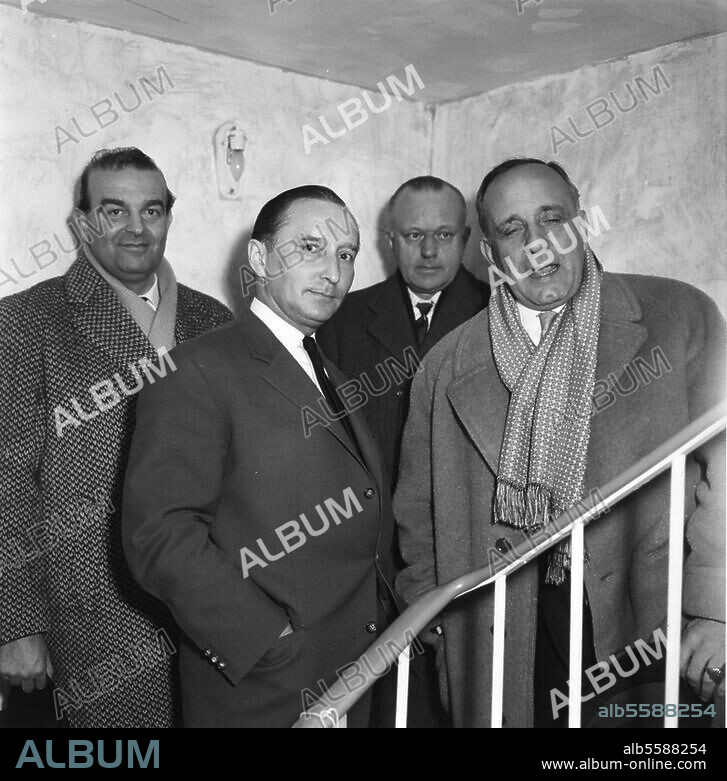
[[341, 696]]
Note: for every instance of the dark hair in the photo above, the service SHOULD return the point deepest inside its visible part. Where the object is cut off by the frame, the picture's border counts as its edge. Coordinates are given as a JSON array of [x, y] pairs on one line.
[[514, 163], [420, 184], [273, 214], [117, 160]]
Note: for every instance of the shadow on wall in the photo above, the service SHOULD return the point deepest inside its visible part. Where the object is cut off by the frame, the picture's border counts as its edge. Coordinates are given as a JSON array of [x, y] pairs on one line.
[[232, 280]]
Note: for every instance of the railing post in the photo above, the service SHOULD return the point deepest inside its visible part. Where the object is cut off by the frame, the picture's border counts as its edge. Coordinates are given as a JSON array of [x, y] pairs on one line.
[[576, 625], [402, 688], [498, 652], [674, 591]]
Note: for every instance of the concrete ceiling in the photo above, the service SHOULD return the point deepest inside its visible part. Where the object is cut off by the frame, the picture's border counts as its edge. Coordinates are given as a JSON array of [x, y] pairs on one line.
[[458, 47]]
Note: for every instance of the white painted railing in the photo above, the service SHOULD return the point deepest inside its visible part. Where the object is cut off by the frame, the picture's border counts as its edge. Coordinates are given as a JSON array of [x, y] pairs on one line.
[[394, 643]]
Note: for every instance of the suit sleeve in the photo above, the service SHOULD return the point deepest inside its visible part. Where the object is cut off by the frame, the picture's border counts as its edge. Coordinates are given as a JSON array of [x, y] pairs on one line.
[[413, 509], [172, 489], [704, 574], [23, 604]]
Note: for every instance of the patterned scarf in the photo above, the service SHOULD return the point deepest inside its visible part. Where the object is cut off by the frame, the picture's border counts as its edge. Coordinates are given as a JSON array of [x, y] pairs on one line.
[[158, 327], [543, 457]]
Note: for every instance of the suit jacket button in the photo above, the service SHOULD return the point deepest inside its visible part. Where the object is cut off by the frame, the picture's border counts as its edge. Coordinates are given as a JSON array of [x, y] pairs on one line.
[[399, 394], [221, 666], [207, 653], [503, 545], [213, 660], [369, 493], [371, 627]]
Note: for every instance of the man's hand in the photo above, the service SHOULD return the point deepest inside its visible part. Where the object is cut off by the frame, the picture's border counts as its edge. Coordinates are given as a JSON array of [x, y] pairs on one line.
[[26, 663], [703, 647]]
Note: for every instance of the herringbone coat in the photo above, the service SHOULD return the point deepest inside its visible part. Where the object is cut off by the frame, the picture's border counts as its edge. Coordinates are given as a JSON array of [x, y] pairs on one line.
[[62, 568]]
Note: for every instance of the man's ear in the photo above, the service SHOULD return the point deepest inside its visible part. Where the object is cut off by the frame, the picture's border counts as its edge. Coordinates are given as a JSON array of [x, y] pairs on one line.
[[390, 239], [78, 215], [170, 217], [257, 254], [486, 250], [465, 235]]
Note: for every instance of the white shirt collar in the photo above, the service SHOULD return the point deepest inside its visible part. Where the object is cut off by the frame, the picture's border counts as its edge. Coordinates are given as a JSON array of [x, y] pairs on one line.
[[415, 299], [283, 331], [152, 294], [531, 322], [288, 335]]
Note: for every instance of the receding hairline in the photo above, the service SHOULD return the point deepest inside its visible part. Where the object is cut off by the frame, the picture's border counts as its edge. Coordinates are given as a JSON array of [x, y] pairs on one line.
[[559, 173], [408, 187]]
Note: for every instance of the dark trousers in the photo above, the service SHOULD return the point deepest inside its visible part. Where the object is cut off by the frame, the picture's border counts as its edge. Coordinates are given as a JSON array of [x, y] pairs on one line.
[[552, 651]]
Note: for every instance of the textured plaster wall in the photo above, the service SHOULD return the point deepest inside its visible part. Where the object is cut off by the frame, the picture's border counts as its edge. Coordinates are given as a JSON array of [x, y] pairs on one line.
[[53, 71], [657, 170]]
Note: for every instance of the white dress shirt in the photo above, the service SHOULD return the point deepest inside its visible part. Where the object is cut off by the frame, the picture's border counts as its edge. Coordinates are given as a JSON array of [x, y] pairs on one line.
[[288, 335], [414, 298], [531, 322]]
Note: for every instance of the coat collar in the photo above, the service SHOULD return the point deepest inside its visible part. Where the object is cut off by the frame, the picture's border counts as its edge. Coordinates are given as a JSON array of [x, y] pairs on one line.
[[480, 399], [285, 375], [392, 324], [101, 318]]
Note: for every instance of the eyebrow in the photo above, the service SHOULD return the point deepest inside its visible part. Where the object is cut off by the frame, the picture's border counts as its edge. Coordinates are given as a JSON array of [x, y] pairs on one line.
[[448, 225], [117, 202], [541, 209]]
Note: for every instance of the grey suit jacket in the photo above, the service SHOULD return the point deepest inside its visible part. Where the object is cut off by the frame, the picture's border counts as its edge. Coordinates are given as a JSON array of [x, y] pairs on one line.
[[221, 463]]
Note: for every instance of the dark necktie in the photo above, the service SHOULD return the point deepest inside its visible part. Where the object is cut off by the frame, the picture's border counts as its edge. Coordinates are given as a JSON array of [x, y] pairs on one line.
[[421, 324], [329, 391]]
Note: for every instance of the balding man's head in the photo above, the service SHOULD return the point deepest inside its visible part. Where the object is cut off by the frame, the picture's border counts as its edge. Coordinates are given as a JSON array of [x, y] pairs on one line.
[[428, 233], [526, 204]]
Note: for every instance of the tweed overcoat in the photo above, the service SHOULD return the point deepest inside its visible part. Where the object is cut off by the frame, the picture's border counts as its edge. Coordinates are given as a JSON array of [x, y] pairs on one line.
[[450, 452], [63, 454]]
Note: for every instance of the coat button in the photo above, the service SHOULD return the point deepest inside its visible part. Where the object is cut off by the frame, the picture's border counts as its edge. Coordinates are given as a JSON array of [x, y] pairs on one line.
[[207, 653], [213, 660], [369, 493], [221, 666], [399, 394], [371, 627], [503, 545]]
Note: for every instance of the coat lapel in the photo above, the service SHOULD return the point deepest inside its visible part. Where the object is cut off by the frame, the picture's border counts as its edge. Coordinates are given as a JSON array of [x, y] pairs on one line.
[[457, 303], [101, 318], [288, 378], [478, 397], [391, 324], [184, 325], [621, 334]]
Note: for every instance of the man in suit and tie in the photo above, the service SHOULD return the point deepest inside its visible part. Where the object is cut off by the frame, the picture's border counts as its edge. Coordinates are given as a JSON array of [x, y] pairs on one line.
[[402, 317], [570, 376], [75, 350], [268, 543]]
